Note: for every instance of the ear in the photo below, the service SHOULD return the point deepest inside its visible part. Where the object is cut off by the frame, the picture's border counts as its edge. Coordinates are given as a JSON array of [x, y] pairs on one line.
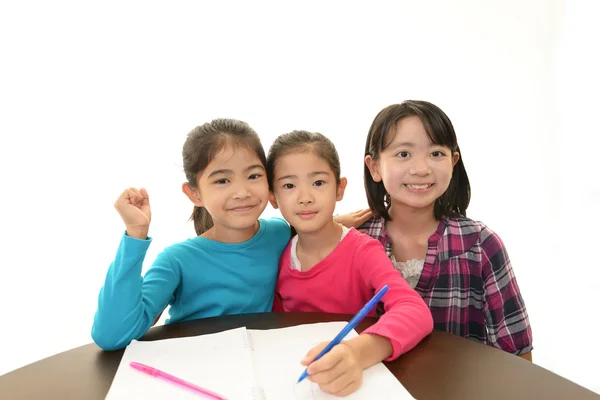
[[273, 200], [455, 158], [373, 166], [192, 194], [341, 188]]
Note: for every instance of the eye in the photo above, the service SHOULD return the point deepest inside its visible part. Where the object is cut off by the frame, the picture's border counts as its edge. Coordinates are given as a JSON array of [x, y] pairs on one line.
[[320, 182], [288, 185], [403, 154], [437, 154], [254, 176]]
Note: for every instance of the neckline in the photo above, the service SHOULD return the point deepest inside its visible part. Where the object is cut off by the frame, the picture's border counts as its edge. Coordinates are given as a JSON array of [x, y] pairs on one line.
[[230, 246], [325, 262]]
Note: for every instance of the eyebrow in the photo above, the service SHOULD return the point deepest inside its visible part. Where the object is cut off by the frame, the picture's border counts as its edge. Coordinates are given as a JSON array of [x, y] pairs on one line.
[[412, 145], [228, 171], [403, 144], [315, 173]]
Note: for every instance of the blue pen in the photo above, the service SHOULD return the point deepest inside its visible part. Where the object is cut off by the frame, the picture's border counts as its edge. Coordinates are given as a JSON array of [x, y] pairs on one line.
[[351, 325]]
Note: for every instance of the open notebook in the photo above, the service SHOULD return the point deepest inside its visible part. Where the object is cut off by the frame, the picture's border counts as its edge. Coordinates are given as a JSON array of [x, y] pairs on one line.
[[242, 364]]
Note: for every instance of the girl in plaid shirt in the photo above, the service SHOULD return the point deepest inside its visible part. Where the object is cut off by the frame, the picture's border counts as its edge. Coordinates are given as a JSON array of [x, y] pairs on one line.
[[418, 190]]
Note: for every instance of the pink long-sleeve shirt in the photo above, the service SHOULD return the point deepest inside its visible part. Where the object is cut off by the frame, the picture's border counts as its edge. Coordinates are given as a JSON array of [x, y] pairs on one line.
[[345, 280]]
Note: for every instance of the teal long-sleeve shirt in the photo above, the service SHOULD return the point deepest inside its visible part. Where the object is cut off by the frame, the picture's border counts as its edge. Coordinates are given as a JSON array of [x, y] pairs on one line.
[[198, 278]]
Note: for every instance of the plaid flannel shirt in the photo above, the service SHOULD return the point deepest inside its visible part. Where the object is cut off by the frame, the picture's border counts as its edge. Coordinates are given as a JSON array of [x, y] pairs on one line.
[[468, 283]]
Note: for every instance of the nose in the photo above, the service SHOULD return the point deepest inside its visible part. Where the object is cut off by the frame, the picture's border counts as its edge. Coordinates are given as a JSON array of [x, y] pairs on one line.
[[305, 196], [420, 167], [241, 192]]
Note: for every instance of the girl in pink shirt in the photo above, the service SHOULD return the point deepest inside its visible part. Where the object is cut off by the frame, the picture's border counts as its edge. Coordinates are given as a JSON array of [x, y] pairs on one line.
[[329, 268]]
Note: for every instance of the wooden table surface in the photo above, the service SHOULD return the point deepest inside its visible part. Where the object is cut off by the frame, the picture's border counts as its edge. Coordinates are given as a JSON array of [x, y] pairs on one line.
[[442, 366]]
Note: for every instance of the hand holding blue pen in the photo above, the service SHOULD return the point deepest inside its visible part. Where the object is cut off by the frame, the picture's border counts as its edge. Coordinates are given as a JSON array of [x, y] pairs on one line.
[[351, 325]]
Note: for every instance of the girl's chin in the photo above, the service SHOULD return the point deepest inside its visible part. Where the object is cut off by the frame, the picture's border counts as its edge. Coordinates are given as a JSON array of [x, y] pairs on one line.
[[411, 203]]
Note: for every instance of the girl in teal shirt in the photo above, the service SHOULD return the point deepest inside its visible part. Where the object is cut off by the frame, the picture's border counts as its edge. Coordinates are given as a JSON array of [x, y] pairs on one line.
[[229, 268]]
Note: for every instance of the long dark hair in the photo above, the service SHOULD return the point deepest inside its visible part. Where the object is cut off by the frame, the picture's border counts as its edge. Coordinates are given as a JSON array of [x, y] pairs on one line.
[[455, 200], [201, 146]]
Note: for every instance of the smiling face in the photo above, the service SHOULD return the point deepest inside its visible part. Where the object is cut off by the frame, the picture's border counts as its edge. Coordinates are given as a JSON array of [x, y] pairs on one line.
[[233, 188], [305, 189], [414, 171]]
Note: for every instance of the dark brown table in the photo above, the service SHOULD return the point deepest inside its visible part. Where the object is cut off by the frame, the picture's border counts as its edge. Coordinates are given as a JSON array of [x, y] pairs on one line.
[[442, 366]]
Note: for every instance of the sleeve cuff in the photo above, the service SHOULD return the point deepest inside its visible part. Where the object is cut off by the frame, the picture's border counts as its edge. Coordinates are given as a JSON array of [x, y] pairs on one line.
[[132, 245], [524, 350]]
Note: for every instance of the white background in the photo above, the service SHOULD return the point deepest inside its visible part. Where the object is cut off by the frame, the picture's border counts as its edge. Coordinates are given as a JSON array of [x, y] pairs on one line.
[[96, 97]]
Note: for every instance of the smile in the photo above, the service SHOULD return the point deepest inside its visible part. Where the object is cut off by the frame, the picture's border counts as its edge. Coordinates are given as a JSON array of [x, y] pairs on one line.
[[419, 187], [242, 208]]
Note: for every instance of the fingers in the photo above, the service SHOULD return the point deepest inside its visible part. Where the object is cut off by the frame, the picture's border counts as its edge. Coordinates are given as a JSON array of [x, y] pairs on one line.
[[364, 211], [145, 196], [363, 215], [341, 387], [313, 353], [134, 196], [327, 371], [325, 363], [337, 372], [338, 361]]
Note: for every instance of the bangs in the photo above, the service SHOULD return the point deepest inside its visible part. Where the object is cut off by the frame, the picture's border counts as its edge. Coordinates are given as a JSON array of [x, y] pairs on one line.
[[439, 131]]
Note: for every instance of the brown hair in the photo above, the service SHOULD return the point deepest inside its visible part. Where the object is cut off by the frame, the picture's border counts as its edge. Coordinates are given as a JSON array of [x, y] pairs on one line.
[[455, 200], [201, 146], [303, 141]]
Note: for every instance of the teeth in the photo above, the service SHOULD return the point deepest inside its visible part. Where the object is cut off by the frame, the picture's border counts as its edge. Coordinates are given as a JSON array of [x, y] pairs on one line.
[[418, 187]]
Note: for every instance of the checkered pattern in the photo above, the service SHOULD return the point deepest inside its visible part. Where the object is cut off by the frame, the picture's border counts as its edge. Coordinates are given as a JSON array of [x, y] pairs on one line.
[[468, 283]]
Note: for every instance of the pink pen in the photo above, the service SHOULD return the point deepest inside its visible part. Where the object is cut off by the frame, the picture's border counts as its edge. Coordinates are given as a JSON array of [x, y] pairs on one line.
[[173, 379]]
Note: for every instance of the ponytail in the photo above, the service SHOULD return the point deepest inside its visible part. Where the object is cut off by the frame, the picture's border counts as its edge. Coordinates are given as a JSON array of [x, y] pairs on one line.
[[202, 220]]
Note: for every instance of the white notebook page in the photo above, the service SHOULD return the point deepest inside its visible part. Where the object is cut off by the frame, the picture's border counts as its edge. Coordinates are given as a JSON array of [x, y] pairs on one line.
[[220, 362], [277, 354], [242, 364]]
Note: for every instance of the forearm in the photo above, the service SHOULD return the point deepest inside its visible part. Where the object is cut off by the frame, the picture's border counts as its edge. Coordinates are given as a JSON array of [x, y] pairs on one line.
[[406, 322], [370, 349], [119, 317], [122, 314], [407, 319]]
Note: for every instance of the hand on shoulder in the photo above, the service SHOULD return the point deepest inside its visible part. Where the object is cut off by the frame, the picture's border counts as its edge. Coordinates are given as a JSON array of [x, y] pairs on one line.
[[354, 219]]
